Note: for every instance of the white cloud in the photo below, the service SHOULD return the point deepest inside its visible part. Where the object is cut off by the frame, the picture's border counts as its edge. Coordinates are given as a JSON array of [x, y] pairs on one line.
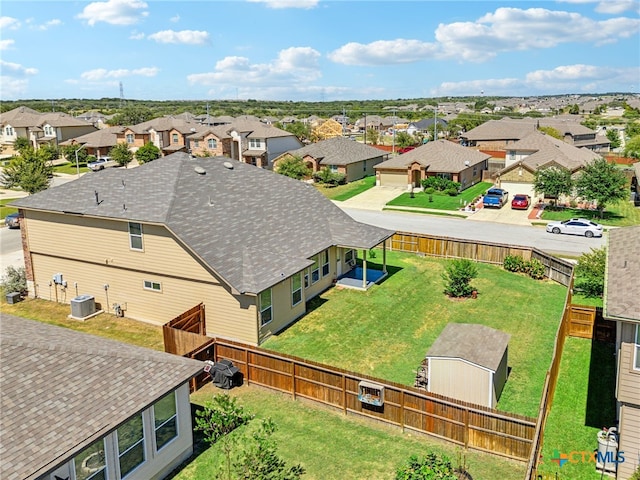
[[46, 25], [187, 37], [613, 7], [13, 88], [294, 68], [384, 52], [288, 3], [136, 36], [9, 23], [175, 19], [16, 70], [114, 12], [509, 29], [100, 74], [6, 44], [562, 79]]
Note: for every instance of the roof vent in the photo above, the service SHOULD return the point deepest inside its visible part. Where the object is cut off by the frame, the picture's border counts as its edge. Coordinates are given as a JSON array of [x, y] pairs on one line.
[[199, 170], [228, 165]]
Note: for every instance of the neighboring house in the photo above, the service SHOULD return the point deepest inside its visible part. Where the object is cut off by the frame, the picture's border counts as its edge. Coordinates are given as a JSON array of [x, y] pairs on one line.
[[369, 122], [252, 245], [95, 118], [76, 406], [469, 362], [622, 305], [96, 143], [426, 125], [169, 134], [341, 155], [39, 128], [209, 142], [440, 158], [538, 151]]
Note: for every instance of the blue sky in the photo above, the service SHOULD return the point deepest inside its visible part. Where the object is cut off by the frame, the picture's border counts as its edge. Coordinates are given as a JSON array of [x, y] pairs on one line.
[[316, 50]]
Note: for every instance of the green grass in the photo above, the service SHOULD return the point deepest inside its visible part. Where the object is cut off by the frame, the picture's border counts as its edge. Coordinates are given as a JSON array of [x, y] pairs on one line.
[[386, 331], [584, 403], [345, 192], [441, 201], [4, 210], [330, 445], [425, 212], [70, 168], [620, 214]]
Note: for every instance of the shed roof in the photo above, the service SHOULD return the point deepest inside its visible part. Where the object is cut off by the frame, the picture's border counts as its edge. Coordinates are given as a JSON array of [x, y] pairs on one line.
[[622, 288], [477, 344], [62, 390]]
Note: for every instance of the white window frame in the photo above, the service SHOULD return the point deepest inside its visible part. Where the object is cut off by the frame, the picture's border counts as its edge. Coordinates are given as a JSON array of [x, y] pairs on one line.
[[175, 138], [133, 236], [158, 427], [348, 256], [255, 143], [263, 309], [326, 269], [151, 285], [196, 144], [636, 355], [131, 447], [333, 168], [212, 143], [130, 137], [296, 291], [315, 269], [8, 131]]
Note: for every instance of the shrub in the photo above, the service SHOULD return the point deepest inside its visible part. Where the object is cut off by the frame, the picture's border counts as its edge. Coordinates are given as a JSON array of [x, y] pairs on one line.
[[429, 190], [535, 269], [457, 276], [328, 177], [220, 416], [452, 191], [14, 280], [430, 467], [514, 263], [440, 184], [590, 272]]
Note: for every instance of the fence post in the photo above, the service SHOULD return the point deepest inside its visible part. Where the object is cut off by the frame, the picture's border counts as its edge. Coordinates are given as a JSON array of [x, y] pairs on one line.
[[466, 428], [293, 378], [246, 362]]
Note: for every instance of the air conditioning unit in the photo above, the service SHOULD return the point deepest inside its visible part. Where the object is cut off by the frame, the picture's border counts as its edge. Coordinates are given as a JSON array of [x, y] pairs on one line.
[[83, 306]]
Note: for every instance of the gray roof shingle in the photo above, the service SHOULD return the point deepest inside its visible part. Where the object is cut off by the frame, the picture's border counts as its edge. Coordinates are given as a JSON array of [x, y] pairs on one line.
[[339, 151], [62, 390], [622, 285], [438, 156], [251, 226]]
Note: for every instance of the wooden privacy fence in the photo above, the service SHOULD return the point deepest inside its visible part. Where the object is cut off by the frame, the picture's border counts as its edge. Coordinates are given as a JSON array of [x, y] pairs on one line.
[[186, 332], [555, 268]]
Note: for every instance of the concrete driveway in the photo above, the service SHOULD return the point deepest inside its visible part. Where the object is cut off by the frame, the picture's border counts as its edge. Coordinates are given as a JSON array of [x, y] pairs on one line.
[[373, 199], [503, 215]]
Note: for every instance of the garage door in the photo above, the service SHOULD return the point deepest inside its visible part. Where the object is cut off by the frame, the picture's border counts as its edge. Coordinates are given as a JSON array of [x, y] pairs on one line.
[[515, 187], [393, 179]]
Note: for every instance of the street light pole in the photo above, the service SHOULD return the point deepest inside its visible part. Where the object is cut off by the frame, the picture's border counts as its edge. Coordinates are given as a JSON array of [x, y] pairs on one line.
[[77, 164]]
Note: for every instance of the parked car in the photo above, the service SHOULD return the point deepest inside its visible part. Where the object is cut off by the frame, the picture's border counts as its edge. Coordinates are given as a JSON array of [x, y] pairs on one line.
[[576, 226], [520, 201], [12, 220], [495, 197], [101, 163]]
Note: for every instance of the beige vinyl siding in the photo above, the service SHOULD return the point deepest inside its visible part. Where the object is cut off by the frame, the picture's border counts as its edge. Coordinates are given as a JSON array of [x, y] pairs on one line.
[[283, 312], [628, 377], [629, 441], [461, 380], [394, 179], [325, 282]]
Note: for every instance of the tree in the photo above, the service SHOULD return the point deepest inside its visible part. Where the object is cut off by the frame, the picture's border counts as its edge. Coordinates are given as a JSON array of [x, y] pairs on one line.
[[372, 136], [220, 416], [614, 137], [590, 272], [632, 148], [632, 129], [293, 167], [602, 182], [431, 467], [69, 152], [457, 276], [552, 132], [21, 143], [403, 139], [301, 130], [552, 182], [574, 109], [14, 280], [31, 171], [121, 154], [147, 153], [132, 115]]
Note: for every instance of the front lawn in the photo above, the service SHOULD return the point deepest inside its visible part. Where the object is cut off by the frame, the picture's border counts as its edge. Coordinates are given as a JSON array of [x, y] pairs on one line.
[[584, 402], [4, 210], [330, 445], [620, 214], [344, 192], [70, 168], [441, 201], [386, 331]]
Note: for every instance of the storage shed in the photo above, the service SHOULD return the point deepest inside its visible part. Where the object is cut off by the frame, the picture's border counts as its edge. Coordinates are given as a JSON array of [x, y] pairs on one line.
[[469, 362]]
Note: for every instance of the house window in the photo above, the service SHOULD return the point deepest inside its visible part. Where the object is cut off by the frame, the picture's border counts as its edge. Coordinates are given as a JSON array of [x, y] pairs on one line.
[[364, 166], [315, 269], [266, 308], [325, 263], [165, 417], [130, 138], [212, 143], [174, 138], [296, 290], [255, 143], [90, 464], [155, 286], [306, 278], [196, 143], [8, 131], [348, 256], [135, 236], [636, 362], [333, 168], [48, 131], [130, 445]]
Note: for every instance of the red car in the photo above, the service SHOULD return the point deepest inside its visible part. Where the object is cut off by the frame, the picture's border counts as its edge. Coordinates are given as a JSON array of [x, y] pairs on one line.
[[520, 202]]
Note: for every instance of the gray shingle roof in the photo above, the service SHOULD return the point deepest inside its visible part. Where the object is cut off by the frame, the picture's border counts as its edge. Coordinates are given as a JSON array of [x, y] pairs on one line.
[[62, 390], [339, 151], [622, 286], [478, 344], [505, 129], [251, 226], [438, 156]]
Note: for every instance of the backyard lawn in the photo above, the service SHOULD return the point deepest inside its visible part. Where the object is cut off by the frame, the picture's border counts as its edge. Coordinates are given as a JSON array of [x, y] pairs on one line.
[[386, 331], [330, 445], [345, 192], [441, 201], [620, 214], [584, 402]]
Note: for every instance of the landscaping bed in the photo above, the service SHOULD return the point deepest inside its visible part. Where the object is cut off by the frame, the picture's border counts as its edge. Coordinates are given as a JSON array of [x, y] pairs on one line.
[[441, 200]]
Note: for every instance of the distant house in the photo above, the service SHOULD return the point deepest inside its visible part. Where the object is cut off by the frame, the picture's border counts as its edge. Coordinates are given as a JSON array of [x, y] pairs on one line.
[[469, 362], [622, 305], [425, 126], [96, 143], [341, 155], [79, 406], [167, 133], [252, 245], [440, 158]]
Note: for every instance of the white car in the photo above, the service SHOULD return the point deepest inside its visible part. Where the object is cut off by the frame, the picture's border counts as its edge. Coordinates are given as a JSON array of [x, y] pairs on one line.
[[101, 164], [576, 226]]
